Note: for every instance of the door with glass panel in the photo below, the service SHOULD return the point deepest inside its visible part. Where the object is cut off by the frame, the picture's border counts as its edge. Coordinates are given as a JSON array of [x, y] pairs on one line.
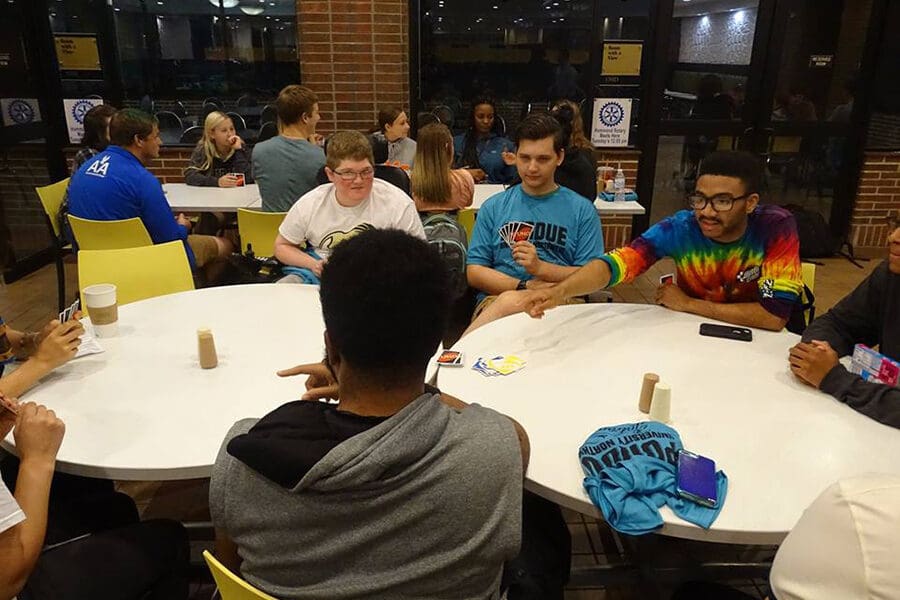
[[775, 77]]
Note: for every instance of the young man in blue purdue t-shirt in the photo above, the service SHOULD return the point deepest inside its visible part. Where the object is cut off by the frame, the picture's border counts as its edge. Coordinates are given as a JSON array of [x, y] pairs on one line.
[[564, 229]]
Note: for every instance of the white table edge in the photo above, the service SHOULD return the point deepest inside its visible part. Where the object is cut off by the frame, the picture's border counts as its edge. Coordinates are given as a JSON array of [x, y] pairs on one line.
[[125, 473]]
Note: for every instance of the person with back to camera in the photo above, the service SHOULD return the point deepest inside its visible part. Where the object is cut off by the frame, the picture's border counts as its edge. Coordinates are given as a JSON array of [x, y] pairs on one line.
[[436, 187], [397, 491]]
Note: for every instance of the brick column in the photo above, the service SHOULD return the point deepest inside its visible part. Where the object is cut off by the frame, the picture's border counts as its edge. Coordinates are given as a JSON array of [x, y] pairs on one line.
[[355, 55], [878, 194]]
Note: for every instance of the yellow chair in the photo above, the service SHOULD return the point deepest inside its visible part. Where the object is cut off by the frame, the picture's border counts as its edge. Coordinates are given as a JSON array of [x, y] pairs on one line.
[[109, 235], [138, 273], [52, 197], [259, 229], [232, 587], [807, 297], [466, 218]]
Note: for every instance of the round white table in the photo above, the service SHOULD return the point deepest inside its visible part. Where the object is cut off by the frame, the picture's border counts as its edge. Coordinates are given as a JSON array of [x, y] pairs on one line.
[[145, 410], [780, 442]]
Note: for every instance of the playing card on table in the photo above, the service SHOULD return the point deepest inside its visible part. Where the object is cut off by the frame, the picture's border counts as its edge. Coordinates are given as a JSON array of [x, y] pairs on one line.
[[499, 365], [506, 365], [450, 358]]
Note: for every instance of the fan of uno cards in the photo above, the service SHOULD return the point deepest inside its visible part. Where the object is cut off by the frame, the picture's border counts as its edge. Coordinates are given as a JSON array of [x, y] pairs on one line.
[[450, 358], [516, 231]]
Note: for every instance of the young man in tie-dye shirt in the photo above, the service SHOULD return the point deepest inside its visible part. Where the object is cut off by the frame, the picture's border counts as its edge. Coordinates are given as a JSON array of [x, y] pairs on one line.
[[736, 260]]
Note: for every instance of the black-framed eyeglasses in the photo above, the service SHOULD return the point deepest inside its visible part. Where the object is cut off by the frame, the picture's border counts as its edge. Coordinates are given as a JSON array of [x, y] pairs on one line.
[[352, 175], [720, 202]]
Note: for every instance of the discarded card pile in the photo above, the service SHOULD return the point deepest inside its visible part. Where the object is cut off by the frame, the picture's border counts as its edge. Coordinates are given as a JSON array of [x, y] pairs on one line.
[[499, 365]]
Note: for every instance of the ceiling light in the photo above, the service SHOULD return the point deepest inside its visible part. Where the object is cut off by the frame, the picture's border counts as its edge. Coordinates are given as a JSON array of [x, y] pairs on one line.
[[252, 10], [225, 3]]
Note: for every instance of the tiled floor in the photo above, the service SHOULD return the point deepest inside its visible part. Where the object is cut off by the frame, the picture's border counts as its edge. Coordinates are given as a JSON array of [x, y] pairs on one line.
[[28, 303]]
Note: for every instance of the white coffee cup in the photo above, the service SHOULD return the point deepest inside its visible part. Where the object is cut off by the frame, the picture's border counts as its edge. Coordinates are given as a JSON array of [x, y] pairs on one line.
[[661, 405], [100, 302]]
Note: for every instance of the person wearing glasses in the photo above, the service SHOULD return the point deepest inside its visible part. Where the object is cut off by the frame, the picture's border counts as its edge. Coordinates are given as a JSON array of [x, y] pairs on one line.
[[353, 202], [735, 260], [869, 315]]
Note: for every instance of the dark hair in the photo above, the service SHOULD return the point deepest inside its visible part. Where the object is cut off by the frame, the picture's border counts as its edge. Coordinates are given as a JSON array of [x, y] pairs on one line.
[[385, 300], [469, 156], [387, 116], [564, 115], [740, 165], [130, 122], [538, 127], [95, 127], [293, 102]]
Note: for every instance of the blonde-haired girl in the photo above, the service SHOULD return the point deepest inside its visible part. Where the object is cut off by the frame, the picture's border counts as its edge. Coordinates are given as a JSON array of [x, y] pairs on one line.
[[435, 186], [219, 156]]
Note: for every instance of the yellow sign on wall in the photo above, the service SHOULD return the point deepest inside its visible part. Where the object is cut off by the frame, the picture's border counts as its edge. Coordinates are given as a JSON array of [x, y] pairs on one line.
[[622, 58], [77, 52]]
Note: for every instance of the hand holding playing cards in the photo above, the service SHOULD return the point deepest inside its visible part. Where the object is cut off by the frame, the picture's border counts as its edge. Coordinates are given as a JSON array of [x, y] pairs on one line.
[[525, 253], [811, 361], [320, 384], [38, 433], [60, 344], [671, 296]]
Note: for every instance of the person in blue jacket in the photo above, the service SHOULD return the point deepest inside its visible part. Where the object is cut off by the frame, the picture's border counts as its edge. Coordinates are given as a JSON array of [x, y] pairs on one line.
[[115, 184], [480, 149]]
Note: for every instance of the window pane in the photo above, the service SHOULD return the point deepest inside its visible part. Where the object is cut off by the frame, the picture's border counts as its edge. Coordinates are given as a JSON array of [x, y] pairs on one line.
[[523, 53], [818, 70], [710, 52], [170, 50]]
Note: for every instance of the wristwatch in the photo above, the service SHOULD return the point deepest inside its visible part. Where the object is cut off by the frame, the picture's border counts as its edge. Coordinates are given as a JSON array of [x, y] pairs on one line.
[[522, 285]]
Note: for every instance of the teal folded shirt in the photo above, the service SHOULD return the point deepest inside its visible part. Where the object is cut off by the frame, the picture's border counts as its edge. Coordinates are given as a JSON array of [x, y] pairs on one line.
[[630, 472]]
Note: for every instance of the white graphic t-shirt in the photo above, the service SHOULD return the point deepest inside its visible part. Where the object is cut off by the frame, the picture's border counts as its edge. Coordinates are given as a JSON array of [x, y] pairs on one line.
[[319, 220]]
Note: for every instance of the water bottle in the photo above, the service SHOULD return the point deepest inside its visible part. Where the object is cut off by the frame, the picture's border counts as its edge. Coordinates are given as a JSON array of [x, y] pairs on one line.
[[619, 185]]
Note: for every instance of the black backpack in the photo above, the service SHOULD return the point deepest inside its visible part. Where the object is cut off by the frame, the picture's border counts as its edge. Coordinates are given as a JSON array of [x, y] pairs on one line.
[[816, 240], [448, 237]]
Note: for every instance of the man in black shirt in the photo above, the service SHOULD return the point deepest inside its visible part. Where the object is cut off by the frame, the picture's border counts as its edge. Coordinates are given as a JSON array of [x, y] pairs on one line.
[[869, 315]]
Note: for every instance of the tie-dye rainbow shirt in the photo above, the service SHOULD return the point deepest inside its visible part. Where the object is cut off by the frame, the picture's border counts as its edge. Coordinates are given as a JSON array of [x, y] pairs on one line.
[[763, 266]]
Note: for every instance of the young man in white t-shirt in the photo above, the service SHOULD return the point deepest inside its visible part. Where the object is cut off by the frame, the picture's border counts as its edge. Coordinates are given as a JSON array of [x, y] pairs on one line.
[[353, 202]]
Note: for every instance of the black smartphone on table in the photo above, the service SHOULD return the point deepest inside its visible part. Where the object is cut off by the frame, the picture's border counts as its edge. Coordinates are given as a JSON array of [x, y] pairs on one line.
[[729, 332]]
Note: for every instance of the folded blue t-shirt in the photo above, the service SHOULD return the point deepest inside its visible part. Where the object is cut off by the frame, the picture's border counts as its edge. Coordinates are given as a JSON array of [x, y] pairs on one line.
[[631, 471]]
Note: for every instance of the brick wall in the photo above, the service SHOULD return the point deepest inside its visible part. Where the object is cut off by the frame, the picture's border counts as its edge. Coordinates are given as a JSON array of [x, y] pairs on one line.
[[878, 194], [355, 55], [168, 168]]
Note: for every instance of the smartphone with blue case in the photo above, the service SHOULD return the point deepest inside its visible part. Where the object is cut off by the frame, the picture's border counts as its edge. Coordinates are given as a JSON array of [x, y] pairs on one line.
[[697, 479]]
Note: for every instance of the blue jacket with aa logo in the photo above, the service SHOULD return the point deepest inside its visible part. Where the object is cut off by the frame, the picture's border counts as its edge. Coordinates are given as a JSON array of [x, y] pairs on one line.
[[114, 185]]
